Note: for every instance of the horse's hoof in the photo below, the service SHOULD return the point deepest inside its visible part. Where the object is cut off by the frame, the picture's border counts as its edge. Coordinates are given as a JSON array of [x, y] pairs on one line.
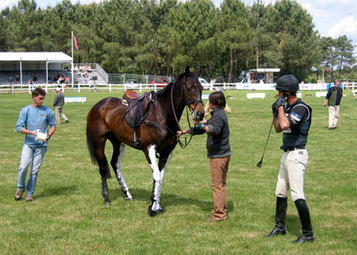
[[107, 202], [151, 212], [129, 198]]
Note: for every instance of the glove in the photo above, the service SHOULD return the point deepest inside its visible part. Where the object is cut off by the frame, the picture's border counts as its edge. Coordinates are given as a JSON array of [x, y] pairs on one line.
[[274, 108], [280, 102]]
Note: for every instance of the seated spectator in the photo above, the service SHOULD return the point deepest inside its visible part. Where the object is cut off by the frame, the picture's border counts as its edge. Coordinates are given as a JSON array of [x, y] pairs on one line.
[[34, 77], [60, 80], [30, 82]]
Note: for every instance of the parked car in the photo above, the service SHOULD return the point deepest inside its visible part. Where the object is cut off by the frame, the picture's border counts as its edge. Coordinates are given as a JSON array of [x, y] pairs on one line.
[[131, 84], [160, 83], [204, 83]]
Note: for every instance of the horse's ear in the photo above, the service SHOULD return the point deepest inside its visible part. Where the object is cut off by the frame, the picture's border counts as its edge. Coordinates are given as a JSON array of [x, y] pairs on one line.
[[187, 71]]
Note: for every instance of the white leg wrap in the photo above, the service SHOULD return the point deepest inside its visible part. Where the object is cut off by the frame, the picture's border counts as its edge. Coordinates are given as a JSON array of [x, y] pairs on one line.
[[157, 176]]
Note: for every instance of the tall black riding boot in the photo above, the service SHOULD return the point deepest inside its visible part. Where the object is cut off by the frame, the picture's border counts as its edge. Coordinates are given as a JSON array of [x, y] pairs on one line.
[[281, 208], [304, 214]]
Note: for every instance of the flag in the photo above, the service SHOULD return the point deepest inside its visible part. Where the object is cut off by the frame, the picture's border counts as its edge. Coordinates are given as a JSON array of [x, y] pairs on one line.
[[75, 42]]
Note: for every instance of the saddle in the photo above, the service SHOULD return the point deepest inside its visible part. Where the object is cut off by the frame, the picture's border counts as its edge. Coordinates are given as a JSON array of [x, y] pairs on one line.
[[138, 109]]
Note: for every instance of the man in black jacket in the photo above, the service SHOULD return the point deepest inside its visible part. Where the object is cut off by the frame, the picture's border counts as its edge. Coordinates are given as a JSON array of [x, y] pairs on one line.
[[333, 99], [58, 103]]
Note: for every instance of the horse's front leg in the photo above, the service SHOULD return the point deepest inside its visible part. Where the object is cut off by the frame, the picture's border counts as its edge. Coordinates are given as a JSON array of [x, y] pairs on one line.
[[158, 178]]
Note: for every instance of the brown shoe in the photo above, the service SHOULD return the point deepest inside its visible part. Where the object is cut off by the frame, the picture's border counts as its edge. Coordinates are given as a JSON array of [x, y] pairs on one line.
[[29, 198], [18, 194], [210, 219]]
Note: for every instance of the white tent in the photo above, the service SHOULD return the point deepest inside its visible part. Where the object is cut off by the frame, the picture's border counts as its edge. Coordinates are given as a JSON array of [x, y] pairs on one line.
[[19, 61]]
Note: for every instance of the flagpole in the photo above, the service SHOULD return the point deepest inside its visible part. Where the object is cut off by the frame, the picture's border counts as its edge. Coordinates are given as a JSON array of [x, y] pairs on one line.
[[72, 58]]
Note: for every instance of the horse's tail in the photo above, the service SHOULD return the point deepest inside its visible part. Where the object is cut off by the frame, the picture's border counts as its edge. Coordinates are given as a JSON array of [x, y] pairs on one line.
[[91, 148]]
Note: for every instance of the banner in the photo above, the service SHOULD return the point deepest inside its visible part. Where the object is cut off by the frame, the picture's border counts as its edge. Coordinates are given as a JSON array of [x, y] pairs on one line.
[[75, 42]]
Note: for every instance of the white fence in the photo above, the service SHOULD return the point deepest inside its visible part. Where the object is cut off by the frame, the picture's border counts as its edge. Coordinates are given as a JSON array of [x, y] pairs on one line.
[[16, 88]]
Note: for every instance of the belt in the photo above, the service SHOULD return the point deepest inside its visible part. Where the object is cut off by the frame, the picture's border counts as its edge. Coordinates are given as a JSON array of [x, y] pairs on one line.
[[294, 148]]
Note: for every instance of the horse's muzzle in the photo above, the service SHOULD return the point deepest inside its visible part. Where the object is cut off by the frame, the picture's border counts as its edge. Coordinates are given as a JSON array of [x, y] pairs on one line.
[[198, 116], [198, 113]]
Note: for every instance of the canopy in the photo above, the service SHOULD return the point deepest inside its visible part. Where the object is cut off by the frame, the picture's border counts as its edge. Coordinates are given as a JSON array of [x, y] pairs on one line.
[[35, 56], [19, 61]]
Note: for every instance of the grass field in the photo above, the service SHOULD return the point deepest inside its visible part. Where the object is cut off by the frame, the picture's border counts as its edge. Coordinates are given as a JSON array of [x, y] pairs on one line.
[[68, 215]]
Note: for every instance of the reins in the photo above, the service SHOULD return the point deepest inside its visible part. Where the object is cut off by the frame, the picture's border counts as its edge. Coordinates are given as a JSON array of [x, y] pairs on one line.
[[188, 102]]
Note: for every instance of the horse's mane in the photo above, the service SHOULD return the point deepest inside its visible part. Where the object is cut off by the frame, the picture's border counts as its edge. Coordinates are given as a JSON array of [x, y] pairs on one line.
[[172, 83]]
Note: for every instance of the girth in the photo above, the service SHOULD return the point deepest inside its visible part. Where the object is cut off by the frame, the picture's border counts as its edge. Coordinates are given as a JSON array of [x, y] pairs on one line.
[[138, 109]]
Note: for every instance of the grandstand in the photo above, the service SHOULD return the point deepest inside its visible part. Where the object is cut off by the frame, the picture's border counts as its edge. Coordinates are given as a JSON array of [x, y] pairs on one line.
[[24, 69]]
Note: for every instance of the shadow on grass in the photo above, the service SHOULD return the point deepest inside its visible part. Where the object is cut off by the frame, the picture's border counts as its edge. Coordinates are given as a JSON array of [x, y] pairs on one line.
[[168, 200], [293, 224], [58, 191]]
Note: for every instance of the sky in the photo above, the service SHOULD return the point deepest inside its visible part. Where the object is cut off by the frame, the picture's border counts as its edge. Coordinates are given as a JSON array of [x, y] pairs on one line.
[[330, 17]]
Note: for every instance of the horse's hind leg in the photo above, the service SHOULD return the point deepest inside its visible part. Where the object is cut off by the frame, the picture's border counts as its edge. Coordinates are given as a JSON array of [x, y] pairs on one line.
[[118, 152], [104, 171]]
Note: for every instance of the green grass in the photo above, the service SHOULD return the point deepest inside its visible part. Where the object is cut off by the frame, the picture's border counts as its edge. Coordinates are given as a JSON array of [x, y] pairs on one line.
[[68, 215]]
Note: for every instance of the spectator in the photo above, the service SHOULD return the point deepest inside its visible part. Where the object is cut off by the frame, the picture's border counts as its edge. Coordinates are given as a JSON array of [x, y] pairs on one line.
[[58, 103], [333, 100]]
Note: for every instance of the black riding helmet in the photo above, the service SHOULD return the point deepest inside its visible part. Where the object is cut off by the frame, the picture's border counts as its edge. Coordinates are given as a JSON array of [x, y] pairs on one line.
[[287, 82]]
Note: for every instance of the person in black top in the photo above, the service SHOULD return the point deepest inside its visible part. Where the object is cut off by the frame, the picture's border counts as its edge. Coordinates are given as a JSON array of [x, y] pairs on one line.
[[58, 103], [333, 99], [292, 117], [218, 151]]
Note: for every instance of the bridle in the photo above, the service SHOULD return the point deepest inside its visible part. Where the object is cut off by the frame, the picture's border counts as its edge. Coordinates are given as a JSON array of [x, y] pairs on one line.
[[188, 103]]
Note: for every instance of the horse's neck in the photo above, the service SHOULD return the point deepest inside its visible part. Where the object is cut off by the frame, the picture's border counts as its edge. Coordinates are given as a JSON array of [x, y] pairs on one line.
[[178, 105]]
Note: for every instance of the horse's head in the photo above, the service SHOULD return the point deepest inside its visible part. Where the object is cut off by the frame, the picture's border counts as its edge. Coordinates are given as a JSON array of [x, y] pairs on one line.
[[193, 95]]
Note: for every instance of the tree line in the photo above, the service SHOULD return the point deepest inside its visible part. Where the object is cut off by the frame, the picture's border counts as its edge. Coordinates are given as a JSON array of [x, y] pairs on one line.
[[161, 37]]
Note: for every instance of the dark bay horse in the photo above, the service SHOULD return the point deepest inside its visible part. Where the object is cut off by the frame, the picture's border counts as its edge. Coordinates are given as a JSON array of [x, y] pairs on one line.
[[157, 133]]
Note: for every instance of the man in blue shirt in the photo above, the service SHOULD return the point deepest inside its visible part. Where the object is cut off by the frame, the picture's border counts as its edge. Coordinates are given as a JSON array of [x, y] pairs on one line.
[[33, 121]]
